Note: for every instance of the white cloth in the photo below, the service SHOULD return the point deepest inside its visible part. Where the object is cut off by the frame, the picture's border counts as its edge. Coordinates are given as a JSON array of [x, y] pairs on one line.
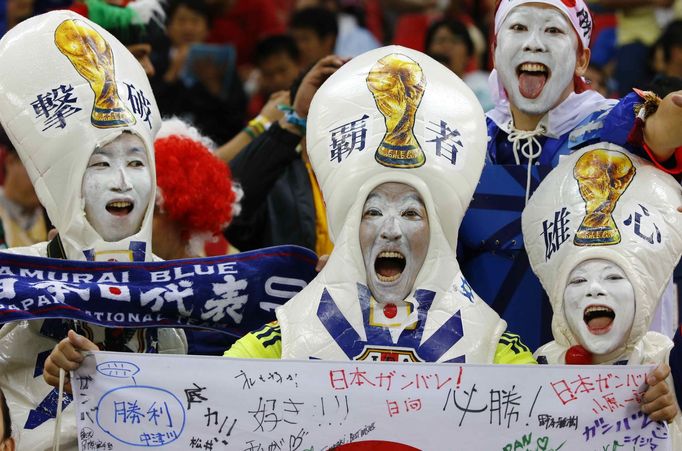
[[578, 14], [651, 194]]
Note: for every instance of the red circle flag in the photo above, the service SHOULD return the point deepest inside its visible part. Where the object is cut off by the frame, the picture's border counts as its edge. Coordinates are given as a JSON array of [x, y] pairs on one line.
[[375, 445]]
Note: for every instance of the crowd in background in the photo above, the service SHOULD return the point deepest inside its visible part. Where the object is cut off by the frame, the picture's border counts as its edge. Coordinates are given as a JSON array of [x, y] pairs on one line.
[[232, 68], [269, 42]]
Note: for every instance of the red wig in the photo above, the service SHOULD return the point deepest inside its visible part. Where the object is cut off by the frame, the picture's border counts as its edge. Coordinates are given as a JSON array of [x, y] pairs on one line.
[[195, 186]]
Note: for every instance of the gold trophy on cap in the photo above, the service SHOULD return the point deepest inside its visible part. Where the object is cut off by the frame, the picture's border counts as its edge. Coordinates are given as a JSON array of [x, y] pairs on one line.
[[603, 176], [93, 59], [397, 84]]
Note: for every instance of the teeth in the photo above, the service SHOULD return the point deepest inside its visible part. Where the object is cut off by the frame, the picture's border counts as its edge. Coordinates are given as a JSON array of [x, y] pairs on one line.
[[597, 309], [388, 279], [533, 67], [120, 204], [387, 254]]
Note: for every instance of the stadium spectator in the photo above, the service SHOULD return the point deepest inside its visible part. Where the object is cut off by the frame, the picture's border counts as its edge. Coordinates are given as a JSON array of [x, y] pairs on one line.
[[315, 31], [194, 82]]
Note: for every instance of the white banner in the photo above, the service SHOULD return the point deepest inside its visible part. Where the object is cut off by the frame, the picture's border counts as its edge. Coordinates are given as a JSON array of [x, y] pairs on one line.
[[128, 401]]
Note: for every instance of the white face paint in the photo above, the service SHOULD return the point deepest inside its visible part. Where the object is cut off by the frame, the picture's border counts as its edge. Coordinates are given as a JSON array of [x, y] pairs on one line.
[[599, 305], [394, 239], [117, 187], [536, 57]]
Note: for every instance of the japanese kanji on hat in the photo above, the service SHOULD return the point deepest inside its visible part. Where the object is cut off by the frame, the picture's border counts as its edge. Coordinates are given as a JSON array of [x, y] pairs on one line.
[[393, 115], [68, 86], [403, 117], [605, 203]]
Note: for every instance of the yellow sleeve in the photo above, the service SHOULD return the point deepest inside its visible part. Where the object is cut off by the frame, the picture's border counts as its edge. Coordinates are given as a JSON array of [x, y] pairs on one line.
[[511, 351], [265, 343]]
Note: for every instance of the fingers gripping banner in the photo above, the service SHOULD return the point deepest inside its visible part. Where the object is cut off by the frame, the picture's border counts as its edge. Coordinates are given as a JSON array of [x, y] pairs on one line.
[[233, 294]]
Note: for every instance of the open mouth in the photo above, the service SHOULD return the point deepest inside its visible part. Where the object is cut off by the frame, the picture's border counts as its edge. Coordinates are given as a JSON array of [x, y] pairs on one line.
[[389, 266], [120, 207], [599, 319], [532, 79]]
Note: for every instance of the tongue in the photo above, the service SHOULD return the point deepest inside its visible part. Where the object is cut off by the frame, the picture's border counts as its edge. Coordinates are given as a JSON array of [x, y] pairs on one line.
[[119, 211], [600, 323], [531, 85], [388, 267]]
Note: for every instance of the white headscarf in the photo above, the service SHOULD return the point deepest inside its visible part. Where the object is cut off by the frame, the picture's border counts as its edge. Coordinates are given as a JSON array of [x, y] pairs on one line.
[[576, 11]]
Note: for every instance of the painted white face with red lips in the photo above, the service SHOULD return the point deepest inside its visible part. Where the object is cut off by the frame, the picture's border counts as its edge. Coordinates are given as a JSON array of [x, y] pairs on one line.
[[394, 239], [599, 305], [536, 57], [117, 187]]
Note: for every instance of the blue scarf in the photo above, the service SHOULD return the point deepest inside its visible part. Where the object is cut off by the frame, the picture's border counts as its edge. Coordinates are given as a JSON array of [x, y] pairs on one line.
[[233, 294]]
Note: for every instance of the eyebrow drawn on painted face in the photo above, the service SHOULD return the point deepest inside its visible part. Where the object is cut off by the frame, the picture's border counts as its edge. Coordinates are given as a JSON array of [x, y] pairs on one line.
[[138, 154], [518, 22], [410, 202]]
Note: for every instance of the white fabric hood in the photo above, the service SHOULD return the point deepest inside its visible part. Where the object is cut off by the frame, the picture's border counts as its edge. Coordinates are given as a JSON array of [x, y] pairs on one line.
[[645, 238], [443, 105], [93, 91], [393, 115]]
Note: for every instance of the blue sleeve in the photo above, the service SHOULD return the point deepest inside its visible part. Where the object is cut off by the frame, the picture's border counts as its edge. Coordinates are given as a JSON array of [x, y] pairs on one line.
[[619, 123]]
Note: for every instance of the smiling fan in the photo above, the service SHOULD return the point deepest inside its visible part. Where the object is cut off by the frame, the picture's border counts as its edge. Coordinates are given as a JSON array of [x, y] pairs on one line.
[[603, 235]]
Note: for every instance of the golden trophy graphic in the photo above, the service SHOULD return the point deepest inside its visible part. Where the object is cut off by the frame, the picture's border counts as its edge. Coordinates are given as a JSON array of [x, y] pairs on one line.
[[603, 176], [397, 84], [93, 59]]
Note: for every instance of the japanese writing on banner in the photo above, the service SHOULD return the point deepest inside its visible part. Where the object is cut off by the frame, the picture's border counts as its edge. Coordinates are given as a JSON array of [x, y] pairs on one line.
[[128, 401], [233, 294]]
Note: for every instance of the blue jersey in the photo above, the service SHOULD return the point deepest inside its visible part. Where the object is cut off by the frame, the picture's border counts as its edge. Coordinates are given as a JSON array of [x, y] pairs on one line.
[[491, 250]]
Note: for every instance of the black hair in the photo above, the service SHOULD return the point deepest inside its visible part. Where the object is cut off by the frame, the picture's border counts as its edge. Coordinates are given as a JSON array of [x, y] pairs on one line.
[[197, 6], [130, 35], [6, 420], [276, 45], [671, 37], [5, 142], [455, 27], [320, 20], [662, 85], [293, 90]]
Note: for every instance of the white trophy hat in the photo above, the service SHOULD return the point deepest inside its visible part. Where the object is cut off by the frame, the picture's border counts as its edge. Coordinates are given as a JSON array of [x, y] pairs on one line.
[[401, 117], [605, 203], [67, 87], [393, 115]]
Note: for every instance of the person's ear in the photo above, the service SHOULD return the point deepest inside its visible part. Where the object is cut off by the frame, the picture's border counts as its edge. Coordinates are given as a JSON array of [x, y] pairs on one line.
[[582, 62]]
